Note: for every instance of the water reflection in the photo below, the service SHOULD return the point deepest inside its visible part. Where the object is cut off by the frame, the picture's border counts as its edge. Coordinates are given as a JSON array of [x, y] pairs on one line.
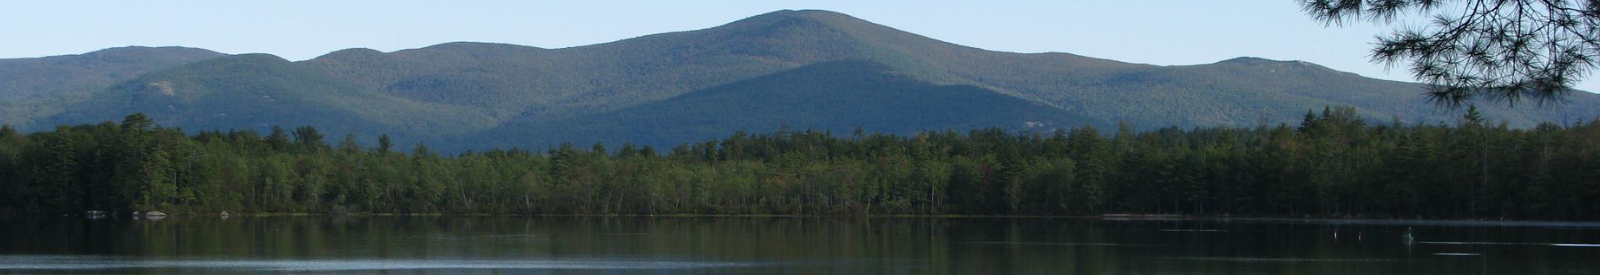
[[659, 245], [1251, 259], [1067, 244], [1494, 243], [118, 263]]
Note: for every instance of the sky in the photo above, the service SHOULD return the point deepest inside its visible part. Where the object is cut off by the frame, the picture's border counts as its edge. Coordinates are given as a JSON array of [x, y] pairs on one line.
[[1160, 32]]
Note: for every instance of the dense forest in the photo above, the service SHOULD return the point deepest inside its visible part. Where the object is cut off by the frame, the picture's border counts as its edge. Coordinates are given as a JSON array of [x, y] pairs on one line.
[[1333, 164]]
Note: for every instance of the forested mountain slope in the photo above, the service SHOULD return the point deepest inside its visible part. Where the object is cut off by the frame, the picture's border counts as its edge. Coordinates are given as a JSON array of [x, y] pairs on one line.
[[258, 91], [836, 97], [480, 95], [34, 87]]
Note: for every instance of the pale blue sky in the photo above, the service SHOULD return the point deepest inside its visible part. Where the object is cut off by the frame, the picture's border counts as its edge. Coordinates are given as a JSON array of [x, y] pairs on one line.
[[1162, 32]]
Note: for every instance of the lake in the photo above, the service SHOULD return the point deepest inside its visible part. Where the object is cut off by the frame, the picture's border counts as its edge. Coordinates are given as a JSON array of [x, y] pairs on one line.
[[786, 245]]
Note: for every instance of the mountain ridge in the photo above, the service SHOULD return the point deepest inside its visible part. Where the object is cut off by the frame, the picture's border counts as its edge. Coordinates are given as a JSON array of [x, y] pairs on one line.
[[32, 88], [480, 92], [854, 93]]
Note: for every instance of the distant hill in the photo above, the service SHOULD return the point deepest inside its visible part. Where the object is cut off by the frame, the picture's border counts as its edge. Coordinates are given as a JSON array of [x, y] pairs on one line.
[[837, 97], [751, 74], [258, 91], [31, 88]]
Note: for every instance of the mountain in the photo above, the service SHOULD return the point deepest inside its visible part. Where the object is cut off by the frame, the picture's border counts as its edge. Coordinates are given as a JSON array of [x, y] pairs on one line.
[[753, 74], [258, 91], [31, 88], [836, 96]]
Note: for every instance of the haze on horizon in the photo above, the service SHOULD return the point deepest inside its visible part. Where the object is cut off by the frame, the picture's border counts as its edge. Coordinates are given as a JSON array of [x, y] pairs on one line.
[[1164, 32]]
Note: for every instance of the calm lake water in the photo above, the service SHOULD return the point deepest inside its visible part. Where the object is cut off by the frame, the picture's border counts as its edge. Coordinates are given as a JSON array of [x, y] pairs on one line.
[[643, 245]]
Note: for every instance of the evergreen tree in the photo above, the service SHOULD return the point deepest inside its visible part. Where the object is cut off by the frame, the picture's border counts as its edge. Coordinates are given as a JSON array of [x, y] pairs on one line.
[[384, 144]]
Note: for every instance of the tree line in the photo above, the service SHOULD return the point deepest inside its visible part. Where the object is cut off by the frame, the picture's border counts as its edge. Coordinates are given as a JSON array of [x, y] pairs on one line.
[[1334, 164]]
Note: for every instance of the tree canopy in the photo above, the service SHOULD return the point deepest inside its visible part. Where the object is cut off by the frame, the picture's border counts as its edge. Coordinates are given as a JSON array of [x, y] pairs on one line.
[[1505, 50], [1333, 164]]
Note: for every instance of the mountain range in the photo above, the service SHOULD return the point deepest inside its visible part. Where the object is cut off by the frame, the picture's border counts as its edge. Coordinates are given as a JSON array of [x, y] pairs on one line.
[[787, 69]]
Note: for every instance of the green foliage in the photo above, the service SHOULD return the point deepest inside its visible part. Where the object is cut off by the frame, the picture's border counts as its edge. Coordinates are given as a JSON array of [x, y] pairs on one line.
[[1333, 164], [1502, 50]]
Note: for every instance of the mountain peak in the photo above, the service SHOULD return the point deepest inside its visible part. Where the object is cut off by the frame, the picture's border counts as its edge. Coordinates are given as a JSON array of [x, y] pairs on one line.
[[832, 18], [479, 46], [1248, 60], [1257, 62], [131, 53], [126, 49], [352, 52], [811, 14]]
